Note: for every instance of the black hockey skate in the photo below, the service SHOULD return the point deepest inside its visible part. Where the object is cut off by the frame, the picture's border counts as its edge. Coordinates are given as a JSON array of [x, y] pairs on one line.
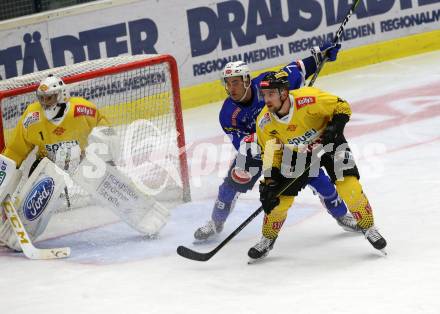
[[207, 231], [261, 249], [375, 238], [348, 223]]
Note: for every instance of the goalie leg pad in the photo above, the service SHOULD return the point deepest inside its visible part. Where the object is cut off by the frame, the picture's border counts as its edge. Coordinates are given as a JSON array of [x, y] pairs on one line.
[[9, 181], [36, 201], [40, 197], [114, 190]]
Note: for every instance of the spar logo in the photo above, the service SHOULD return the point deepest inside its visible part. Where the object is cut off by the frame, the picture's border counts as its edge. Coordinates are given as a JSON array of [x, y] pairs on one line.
[[305, 101], [81, 110], [308, 138], [38, 198]]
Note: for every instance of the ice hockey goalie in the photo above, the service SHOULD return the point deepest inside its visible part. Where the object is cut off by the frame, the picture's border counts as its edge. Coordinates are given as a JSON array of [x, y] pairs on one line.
[[74, 141]]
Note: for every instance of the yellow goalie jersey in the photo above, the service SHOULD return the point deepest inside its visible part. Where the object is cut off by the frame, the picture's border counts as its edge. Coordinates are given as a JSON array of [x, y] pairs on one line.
[[309, 114], [33, 129]]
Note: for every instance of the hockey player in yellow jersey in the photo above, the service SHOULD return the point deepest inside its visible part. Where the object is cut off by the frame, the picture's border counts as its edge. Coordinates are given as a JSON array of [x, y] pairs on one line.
[[56, 121], [288, 129], [61, 127]]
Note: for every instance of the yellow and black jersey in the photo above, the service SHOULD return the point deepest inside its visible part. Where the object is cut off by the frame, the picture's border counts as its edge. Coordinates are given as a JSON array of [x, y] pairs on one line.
[[34, 129], [311, 109]]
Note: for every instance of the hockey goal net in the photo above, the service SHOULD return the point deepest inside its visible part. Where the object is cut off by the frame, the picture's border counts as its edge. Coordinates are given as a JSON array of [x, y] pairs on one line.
[[140, 97]]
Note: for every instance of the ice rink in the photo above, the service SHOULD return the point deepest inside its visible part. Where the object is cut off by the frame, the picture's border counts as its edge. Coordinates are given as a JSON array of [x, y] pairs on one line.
[[315, 267]]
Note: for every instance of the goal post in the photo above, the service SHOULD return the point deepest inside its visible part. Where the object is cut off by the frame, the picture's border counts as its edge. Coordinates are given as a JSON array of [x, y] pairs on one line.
[[139, 95]]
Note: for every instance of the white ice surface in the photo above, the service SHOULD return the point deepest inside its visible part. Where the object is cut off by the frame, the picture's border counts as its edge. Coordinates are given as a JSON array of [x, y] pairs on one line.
[[315, 267]]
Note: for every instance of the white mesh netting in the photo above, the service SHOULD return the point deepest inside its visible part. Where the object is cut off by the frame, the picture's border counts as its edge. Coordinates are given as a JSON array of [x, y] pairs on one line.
[[138, 101]]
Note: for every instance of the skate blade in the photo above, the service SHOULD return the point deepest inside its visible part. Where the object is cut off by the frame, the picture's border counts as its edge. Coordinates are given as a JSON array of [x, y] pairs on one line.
[[351, 230], [252, 261], [385, 253], [256, 260], [151, 236]]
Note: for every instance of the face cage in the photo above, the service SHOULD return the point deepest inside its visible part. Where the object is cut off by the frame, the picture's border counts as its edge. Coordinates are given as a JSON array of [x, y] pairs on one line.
[[43, 102]]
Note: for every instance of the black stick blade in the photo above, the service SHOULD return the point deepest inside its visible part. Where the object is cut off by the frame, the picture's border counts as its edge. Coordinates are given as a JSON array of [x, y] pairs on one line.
[[193, 255]]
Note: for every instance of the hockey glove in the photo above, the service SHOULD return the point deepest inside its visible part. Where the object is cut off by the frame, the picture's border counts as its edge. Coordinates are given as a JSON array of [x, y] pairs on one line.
[[268, 195], [334, 131], [327, 50]]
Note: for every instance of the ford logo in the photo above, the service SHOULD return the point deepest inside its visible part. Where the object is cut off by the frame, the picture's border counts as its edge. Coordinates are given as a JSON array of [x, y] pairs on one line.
[[38, 198]]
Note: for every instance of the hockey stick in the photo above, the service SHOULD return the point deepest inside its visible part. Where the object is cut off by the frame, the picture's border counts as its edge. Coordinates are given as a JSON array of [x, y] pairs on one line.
[[66, 195], [29, 250], [335, 40], [203, 257]]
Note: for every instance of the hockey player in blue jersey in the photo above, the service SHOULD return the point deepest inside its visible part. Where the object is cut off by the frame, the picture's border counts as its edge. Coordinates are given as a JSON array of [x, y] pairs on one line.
[[238, 118]]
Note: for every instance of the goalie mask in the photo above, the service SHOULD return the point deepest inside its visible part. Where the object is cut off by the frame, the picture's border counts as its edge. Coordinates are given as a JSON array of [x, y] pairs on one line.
[[53, 96]]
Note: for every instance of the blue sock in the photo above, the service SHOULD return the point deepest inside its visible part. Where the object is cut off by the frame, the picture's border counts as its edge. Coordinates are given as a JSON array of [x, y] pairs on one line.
[[326, 189], [224, 203]]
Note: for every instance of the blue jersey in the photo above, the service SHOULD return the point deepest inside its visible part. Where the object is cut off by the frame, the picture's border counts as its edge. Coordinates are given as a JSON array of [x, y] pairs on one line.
[[238, 120]]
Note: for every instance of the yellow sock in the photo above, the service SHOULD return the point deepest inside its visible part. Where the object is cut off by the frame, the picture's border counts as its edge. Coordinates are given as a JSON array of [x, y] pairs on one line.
[[350, 190], [274, 221]]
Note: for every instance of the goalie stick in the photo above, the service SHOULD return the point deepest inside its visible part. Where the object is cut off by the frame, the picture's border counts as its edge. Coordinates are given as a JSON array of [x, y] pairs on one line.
[[203, 257], [335, 40], [29, 250]]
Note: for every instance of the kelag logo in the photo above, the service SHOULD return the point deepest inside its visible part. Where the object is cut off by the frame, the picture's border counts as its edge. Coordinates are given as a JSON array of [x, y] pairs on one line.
[[38, 198]]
